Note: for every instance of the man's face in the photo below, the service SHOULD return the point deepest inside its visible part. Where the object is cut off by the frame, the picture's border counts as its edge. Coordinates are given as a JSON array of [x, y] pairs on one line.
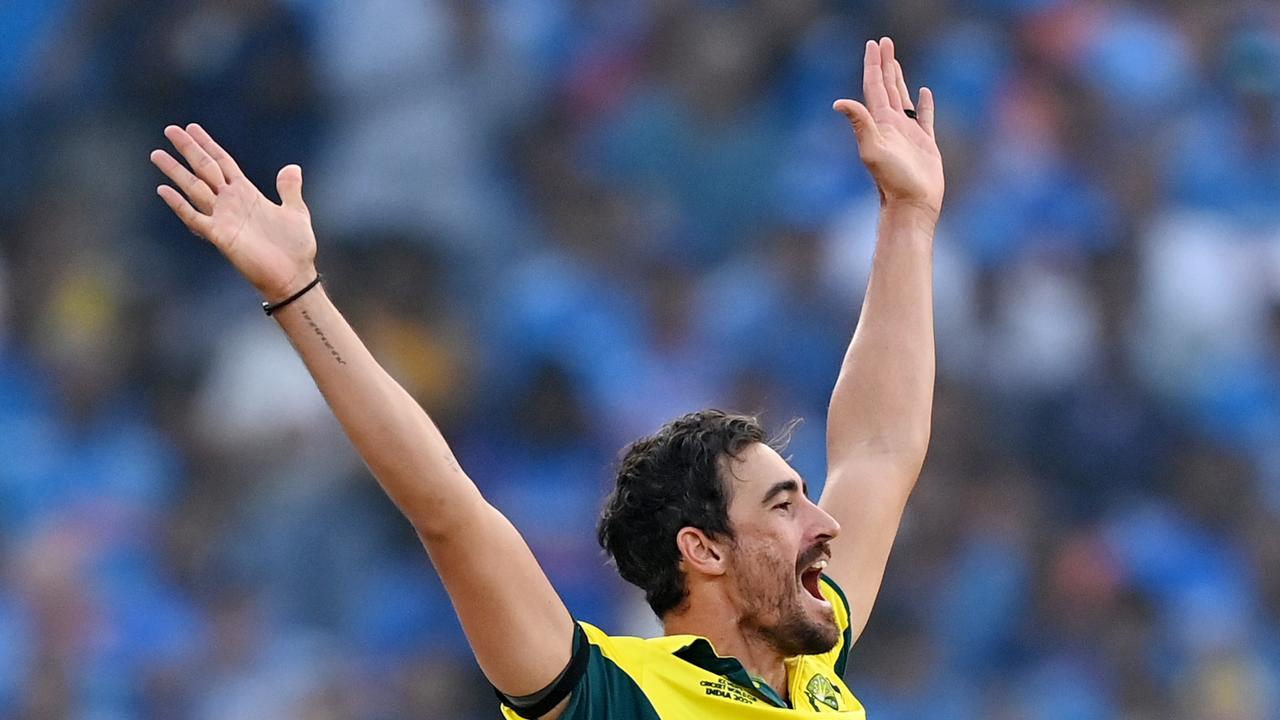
[[779, 551]]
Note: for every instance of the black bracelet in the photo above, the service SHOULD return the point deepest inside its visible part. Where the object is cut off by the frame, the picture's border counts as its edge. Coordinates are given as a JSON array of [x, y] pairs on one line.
[[269, 308]]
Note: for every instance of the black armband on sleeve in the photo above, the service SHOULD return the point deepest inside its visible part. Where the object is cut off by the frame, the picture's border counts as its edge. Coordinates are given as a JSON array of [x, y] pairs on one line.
[[541, 702]]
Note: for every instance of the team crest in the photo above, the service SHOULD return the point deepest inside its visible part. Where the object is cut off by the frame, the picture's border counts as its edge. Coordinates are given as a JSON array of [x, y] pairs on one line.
[[820, 691]]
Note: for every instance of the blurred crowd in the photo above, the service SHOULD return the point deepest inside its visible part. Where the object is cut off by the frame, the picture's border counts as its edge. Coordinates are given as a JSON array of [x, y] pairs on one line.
[[560, 223]]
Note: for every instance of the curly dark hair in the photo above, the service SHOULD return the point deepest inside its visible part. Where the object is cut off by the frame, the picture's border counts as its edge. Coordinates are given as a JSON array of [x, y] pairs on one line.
[[665, 482]]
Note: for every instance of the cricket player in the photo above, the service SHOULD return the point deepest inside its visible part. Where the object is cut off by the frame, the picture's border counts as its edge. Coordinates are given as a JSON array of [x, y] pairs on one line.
[[761, 591]]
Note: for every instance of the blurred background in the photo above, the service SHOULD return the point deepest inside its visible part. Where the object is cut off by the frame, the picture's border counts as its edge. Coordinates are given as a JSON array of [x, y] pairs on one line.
[[560, 223]]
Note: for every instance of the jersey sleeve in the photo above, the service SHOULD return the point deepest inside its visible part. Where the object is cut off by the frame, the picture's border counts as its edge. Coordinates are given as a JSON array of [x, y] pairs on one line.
[[605, 691], [838, 656]]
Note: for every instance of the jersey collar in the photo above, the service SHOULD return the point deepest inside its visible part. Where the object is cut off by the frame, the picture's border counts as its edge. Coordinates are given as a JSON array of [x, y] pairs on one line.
[[699, 652]]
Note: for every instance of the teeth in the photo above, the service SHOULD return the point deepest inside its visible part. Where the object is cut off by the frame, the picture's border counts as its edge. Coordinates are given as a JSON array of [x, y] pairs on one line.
[[820, 565]]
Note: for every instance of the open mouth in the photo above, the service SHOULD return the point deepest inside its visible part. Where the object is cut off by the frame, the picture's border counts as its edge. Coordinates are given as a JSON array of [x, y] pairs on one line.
[[809, 578]]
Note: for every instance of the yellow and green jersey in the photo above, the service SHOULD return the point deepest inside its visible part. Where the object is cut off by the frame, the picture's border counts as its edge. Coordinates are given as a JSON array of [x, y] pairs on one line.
[[680, 676]]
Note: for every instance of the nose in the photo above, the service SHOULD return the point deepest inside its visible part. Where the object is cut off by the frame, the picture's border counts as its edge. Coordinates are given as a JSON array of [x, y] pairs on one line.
[[826, 527]]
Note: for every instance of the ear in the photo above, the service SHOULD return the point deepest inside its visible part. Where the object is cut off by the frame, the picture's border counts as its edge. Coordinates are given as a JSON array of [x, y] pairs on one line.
[[701, 553]]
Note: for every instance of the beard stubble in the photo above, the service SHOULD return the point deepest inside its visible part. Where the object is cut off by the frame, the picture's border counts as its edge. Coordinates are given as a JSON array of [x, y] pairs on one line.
[[773, 609]]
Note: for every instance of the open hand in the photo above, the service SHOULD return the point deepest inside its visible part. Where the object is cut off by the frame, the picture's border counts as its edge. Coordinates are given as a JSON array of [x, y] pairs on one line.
[[272, 245], [900, 151]]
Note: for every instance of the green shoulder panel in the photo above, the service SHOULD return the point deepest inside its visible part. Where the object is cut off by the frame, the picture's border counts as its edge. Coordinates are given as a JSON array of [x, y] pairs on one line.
[[607, 692]]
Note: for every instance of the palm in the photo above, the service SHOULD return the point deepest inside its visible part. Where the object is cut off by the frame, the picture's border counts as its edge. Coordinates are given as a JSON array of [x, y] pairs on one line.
[[900, 151], [260, 238], [272, 245]]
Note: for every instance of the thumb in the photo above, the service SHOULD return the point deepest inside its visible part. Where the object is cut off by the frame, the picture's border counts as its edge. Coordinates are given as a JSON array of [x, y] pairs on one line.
[[864, 126], [289, 185]]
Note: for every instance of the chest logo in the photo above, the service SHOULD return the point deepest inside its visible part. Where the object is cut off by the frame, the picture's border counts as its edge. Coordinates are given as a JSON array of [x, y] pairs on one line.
[[821, 691]]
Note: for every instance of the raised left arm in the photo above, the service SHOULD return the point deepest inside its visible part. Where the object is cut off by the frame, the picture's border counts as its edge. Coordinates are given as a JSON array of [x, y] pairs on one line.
[[879, 420]]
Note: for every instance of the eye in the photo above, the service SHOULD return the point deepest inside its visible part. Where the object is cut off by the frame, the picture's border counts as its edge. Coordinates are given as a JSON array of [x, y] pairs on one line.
[[783, 505]]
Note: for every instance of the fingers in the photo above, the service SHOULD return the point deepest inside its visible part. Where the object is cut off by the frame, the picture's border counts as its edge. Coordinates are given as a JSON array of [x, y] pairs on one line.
[[193, 187], [201, 164], [228, 166], [195, 222], [889, 71], [873, 88], [289, 185], [864, 126], [903, 92], [926, 110]]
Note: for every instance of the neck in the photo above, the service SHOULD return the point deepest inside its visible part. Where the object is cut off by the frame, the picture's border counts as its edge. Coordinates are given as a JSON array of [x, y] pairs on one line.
[[726, 632]]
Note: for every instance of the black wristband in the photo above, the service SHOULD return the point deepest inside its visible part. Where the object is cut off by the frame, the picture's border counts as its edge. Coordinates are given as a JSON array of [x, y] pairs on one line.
[[269, 308]]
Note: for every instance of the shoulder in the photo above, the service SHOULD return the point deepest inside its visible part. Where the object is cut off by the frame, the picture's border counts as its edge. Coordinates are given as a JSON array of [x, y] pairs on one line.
[[612, 684], [837, 656], [834, 594], [628, 651]]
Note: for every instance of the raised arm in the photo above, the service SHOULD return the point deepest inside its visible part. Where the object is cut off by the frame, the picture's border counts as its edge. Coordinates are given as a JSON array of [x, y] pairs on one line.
[[879, 418], [518, 627]]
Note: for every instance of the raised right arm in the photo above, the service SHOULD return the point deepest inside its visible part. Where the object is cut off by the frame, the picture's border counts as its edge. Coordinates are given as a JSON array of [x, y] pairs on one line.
[[517, 625]]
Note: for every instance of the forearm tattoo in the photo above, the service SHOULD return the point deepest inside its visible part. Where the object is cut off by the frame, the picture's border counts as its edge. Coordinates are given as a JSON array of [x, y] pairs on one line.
[[320, 334]]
